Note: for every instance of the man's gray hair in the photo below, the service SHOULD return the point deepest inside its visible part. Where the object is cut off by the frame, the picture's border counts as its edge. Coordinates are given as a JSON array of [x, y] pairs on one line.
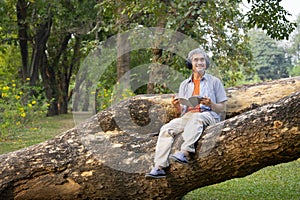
[[197, 51]]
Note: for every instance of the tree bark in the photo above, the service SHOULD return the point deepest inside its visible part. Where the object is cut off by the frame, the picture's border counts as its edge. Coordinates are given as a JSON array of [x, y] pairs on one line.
[[155, 74], [123, 53], [123, 65], [63, 74], [50, 86], [41, 37], [23, 36], [247, 97], [107, 156]]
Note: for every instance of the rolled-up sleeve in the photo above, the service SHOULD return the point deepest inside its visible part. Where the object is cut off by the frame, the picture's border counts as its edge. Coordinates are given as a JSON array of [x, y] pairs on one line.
[[219, 90]]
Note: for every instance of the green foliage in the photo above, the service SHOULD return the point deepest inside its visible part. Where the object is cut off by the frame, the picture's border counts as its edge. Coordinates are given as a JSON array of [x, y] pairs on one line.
[[294, 49], [269, 59], [8, 30], [109, 91], [217, 28], [108, 96], [18, 109], [271, 17], [10, 61], [295, 71], [226, 40]]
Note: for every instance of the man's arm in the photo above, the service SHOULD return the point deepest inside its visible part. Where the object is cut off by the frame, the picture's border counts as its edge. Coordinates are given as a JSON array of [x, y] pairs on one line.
[[216, 107]]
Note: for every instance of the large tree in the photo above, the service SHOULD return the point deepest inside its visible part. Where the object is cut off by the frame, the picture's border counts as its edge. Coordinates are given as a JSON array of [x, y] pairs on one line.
[[217, 28], [108, 155], [269, 59], [52, 33]]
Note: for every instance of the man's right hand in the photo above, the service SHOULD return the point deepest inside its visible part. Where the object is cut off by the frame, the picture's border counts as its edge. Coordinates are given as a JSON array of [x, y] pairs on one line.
[[176, 104], [175, 101]]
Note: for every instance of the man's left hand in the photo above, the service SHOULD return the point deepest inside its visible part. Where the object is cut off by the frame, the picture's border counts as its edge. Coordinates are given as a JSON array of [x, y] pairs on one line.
[[206, 101]]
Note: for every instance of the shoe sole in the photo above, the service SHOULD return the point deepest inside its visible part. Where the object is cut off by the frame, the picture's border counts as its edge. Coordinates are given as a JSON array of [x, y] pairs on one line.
[[178, 160], [155, 176]]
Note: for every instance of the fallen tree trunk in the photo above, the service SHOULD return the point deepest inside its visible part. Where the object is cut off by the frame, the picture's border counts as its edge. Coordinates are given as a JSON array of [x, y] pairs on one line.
[[248, 97], [148, 114], [108, 155]]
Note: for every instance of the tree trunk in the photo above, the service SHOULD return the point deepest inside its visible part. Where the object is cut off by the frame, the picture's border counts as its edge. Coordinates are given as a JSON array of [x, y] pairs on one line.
[[77, 91], [39, 48], [247, 97], [64, 72], [107, 156], [86, 98], [23, 36], [155, 74], [123, 65], [50, 86], [75, 62], [123, 54], [57, 92]]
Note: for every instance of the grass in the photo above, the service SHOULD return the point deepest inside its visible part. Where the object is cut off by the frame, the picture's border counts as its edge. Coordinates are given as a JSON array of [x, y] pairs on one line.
[[44, 129], [271, 183]]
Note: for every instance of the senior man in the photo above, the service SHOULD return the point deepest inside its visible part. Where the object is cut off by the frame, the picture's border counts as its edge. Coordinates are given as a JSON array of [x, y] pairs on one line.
[[192, 120]]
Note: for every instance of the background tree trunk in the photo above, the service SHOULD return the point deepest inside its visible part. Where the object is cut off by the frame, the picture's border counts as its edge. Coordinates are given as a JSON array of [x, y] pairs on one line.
[[39, 48], [108, 155], [123, 64], [65, 72], [50, 85], [155, 74], [23, 36], [123, 53]]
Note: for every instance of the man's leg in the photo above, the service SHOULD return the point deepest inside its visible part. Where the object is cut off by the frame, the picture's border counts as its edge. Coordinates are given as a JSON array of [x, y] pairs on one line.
[[165, 141], [163, 147], [194, 128]]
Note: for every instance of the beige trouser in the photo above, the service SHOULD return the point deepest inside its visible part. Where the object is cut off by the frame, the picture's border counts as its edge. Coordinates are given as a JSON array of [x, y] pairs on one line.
[[190, 125]]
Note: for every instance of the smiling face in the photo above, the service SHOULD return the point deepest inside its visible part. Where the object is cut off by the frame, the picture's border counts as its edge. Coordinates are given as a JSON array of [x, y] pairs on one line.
[[199, 63]]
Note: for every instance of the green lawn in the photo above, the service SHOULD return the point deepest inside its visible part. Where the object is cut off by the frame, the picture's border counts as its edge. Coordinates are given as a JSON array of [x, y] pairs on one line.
[[44, 129], [280, 182], [273, 182]]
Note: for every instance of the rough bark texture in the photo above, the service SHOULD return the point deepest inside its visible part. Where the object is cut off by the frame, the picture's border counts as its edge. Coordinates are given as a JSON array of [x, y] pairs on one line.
[[107, 156], [247, 97]]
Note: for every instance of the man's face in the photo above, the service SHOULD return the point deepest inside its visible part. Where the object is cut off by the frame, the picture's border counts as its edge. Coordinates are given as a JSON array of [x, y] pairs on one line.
[[199, 63]]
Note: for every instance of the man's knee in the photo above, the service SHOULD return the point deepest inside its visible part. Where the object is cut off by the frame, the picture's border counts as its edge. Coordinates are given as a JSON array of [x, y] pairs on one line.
[[167, 132]]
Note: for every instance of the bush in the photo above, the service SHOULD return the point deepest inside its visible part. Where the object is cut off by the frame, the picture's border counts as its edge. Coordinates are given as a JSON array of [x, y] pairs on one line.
[[109, 96], [18, 109], [295, 71]]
